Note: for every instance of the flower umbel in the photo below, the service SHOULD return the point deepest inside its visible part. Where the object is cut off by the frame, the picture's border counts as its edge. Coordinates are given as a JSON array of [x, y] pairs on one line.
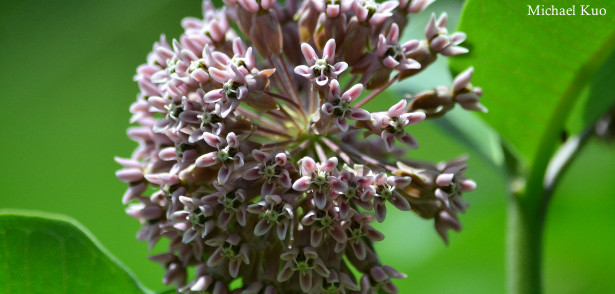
[[257, 160]]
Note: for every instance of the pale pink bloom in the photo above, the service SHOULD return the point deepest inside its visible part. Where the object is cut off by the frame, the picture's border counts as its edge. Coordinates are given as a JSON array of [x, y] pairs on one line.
[[306, 263], [338, 105], [439, 39], [394, 55], [393, 123], [386, 191], [256, 160], [227, 155], [379, 279], [232, 250], [274, 213], [465, 94], [320, 179], [274, 170], [358, 232], [372, 11], [320, 70]]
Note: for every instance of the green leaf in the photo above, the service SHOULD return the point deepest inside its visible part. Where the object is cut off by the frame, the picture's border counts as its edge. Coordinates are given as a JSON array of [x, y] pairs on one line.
[[532, 68], [54, 254], [601, 92], [597, 98]]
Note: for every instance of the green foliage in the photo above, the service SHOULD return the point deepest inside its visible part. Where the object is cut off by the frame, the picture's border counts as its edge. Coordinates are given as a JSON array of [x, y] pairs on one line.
[[56, 255], [541, 71], [532, 67]]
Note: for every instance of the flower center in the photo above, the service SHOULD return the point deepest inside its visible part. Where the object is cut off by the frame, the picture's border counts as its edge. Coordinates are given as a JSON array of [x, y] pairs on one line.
[[395, 52], [371, 7], [174, 110], [230, 250], [351, 193], [269, 171], [302, 266], [320, 179], [396, 126], [230, 89], [239, 62], [197, 218], [341, 108], [332, 2], [230, 202], [206, 118], [272, 216], [321, 67], [385, 191], [356, 234], [224, 155], [171, 65], [326, 221], [196, 64], [332, 289]]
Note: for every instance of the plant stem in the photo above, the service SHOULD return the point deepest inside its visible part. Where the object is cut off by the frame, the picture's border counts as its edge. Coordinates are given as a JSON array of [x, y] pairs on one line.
[[526, 219], [529, 203], [525, 228]]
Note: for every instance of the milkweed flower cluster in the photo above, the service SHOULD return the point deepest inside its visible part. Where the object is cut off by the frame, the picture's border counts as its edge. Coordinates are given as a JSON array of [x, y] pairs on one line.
[[257, 160]]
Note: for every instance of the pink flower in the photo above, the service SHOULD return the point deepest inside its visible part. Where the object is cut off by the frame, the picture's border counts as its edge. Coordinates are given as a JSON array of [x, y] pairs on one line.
[[338, 105], [230, 249], [466, 95], [320, 179], [393, 122], [394, 55], [273, 170], [386, 191], [372, 11], [379, 278], [320, 70], [227, 155], [195, 220], [359, 191], [324, 223], [306, 263], [257, 161], [232, 203], [440, 41], [274, 212], [358, 231]]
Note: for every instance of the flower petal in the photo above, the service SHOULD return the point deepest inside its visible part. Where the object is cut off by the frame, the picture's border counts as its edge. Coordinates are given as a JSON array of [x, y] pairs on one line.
[[309, 53], [328, 52], [262, 227], [358, 114], [302, 184], [207, 159]]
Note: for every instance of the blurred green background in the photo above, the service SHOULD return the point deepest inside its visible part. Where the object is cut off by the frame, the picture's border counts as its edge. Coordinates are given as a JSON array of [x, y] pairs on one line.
[[67, 70]]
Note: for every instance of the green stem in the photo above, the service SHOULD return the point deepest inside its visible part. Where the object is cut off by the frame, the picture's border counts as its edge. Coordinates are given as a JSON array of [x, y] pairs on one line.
[[525, 228], [529, 201]]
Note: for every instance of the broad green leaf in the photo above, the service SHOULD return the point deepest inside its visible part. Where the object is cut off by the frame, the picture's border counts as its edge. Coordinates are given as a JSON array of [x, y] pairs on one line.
[[532, 68], [40, 254]]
